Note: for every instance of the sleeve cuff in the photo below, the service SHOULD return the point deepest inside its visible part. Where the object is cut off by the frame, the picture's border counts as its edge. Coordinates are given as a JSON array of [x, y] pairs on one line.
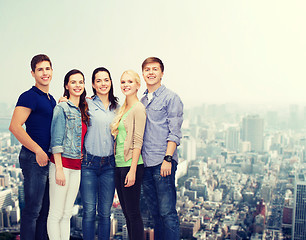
[[174, 139], [57, 149]]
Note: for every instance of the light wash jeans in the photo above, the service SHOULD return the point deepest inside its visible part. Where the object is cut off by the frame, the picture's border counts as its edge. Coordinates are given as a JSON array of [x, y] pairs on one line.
[[62, 199]]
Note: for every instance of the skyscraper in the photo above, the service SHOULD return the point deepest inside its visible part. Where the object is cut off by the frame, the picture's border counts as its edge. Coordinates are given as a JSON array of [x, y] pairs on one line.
[[252, 131], [299, 209], [232, 138]]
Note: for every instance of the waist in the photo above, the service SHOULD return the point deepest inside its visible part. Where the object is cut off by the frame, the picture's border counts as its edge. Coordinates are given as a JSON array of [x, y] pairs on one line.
[[90, 157], [69, 163]]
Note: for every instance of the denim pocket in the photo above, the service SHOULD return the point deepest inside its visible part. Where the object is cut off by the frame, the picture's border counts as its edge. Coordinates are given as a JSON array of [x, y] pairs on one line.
[[71, 118], [27, 157], [86, 163], [157, 113]]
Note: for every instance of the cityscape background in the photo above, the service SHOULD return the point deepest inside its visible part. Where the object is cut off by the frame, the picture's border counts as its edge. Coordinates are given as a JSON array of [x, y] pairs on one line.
[[241, 175], [239, 67]]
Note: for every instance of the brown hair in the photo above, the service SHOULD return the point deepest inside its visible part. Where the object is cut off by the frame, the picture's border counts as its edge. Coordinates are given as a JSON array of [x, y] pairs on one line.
[[83, 104], [153, 60], [39, 58]]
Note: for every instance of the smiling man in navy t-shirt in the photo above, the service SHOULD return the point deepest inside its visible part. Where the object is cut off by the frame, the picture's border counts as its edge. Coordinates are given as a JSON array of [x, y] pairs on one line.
[[35, 109]]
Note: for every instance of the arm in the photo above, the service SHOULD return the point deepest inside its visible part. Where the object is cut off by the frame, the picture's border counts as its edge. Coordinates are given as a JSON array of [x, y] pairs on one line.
[[165, 169], [57, 138], [174, 120], [19, 117], [139, 125], [59, 173]]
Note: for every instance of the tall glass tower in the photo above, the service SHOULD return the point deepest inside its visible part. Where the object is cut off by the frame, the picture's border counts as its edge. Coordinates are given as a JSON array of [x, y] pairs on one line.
[[299, 209]]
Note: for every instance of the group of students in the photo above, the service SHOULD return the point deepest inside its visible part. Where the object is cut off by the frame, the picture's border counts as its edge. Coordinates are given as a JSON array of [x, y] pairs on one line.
[[94, 145]]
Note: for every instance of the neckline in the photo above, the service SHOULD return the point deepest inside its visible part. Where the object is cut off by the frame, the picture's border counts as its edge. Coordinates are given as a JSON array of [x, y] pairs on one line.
[[130, 109]]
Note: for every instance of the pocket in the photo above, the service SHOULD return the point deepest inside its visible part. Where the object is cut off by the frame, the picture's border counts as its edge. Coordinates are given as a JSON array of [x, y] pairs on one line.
[[87, 161], [71, 119], [157, 113], [27, 157], [85, 164]]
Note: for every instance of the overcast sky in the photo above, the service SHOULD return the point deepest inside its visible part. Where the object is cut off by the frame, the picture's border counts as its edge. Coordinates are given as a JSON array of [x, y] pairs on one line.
[[214, 51]]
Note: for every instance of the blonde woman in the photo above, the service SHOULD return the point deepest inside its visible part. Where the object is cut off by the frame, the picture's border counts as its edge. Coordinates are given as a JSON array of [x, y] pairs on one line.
[[128, 129]]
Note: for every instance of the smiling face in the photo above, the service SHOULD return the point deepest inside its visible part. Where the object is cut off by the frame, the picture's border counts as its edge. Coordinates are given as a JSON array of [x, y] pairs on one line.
[[128, 84], [42, 74], [75, 85], [152, 75], [102, 83]]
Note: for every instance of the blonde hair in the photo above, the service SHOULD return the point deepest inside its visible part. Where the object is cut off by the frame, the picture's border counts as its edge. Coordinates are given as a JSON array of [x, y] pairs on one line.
[[117, 119]]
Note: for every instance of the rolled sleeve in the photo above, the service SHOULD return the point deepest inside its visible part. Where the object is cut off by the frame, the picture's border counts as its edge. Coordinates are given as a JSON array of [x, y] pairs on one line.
[[57, 149], [175, 119], [58, 130]]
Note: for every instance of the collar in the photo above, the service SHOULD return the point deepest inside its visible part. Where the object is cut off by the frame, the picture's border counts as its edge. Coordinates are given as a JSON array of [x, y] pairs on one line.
[[157, 92], [37, 90], [97, 101], [71, 104], [95, 98]]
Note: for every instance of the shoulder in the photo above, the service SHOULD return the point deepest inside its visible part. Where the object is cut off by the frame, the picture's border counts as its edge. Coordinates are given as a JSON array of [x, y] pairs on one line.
[[139, 106], [28, 94], [28, 99], [62, 106], [139, 111], [172, 96]]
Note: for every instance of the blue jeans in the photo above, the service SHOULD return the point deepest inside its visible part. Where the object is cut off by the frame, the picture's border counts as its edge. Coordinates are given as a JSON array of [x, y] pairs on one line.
[[97, 187], [36, 195], [160, 195]]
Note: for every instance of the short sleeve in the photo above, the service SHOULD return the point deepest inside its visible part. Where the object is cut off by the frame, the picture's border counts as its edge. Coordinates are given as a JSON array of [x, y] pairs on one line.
[[27, 100]]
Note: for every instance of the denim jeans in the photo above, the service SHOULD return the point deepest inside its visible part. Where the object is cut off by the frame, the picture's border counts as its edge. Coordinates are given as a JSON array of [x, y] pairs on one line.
[[129, 198], [36, 195], [160, 195], [97, 188]]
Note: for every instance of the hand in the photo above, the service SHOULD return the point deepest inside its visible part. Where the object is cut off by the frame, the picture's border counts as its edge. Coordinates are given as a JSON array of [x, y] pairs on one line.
[[130, 179], [42, 158], [60, 177], [165, 169], [63, 99]]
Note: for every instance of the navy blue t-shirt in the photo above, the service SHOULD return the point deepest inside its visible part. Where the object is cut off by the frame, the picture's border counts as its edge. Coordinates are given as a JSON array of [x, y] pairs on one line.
[[38, 124]]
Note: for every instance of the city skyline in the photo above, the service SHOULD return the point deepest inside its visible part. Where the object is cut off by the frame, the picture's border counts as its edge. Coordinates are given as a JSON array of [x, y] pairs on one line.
[[215, 52], [226, 188]]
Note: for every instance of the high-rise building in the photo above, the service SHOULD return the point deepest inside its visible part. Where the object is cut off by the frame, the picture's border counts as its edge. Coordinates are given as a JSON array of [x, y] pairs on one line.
[[299, 208], [252, 131], [232, 138], [188, 148]]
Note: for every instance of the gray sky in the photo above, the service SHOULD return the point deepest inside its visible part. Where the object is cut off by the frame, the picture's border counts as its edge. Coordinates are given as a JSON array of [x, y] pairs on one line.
[[214, 51]]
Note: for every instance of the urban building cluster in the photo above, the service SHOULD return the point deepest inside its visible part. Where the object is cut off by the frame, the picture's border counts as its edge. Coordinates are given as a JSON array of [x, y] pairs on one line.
[[241, 175]]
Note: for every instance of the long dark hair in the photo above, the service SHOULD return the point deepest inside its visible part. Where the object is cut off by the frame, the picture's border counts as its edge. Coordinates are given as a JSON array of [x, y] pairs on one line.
[[83, 104], [112, 99]]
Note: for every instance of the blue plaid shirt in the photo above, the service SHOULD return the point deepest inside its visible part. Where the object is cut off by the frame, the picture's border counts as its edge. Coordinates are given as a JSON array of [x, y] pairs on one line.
[[163, 124]]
